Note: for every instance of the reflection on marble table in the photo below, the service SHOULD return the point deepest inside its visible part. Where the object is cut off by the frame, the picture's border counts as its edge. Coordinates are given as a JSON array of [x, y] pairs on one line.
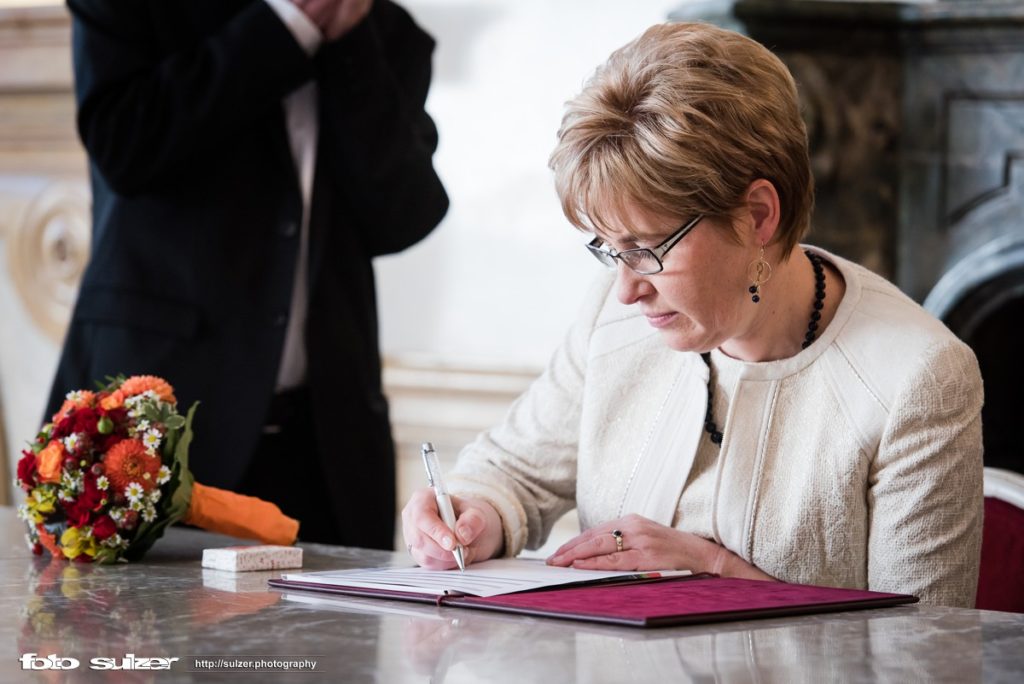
[[168, 606]]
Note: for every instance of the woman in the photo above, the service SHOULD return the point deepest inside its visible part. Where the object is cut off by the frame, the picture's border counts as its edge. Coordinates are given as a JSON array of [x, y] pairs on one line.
[[729, 401]]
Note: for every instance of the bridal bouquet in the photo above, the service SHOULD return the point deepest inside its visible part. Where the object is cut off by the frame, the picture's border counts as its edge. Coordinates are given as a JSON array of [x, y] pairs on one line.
[[110, 473]]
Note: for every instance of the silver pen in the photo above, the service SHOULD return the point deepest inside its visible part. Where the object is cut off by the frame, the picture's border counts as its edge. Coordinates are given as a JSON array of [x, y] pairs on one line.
[[444, 502]]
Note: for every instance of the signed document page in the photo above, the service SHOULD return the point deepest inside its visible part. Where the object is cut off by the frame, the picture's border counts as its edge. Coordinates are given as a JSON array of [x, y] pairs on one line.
[[489, 578]]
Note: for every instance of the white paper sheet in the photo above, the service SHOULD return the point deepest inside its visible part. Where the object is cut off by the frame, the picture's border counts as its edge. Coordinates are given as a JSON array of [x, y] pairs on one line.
[[489, 578]]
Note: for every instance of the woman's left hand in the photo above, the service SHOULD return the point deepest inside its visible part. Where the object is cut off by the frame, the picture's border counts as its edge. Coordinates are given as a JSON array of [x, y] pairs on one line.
[[646, 545]]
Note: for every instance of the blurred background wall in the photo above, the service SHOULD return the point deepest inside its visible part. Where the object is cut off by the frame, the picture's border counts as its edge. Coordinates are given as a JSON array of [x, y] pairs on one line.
[[468, 317]]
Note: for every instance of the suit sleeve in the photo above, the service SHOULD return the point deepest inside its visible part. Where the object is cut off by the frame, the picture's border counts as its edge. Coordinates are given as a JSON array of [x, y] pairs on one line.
[[375, 132], [925, 488], [146, 113]]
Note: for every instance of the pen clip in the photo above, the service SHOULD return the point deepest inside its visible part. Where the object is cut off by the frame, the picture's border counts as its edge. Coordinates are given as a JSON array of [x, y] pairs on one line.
[[431, 466]]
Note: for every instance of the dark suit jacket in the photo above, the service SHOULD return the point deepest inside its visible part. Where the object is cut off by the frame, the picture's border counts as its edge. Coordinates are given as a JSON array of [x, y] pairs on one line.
[[196, 209]]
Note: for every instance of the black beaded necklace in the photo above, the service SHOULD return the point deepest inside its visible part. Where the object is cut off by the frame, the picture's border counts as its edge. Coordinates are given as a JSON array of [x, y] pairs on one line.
[[809, 336]]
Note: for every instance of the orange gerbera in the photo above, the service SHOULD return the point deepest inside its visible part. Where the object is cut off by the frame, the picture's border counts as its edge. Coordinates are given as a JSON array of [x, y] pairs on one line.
[[75, 400], [137, 384], [127, 462], [50, 461]]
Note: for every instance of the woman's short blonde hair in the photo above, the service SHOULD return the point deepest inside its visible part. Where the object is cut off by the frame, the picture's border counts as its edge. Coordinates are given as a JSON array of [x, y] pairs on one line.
[[680, 122]]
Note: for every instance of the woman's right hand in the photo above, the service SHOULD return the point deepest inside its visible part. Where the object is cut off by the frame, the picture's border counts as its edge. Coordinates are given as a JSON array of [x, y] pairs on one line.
[[477, 528]]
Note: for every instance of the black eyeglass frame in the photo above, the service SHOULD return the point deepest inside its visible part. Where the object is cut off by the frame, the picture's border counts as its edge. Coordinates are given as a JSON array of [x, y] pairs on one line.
[[607, 256]]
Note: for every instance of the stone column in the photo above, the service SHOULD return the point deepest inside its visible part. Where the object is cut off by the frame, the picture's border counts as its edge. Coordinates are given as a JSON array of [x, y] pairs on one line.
[[44, 214]]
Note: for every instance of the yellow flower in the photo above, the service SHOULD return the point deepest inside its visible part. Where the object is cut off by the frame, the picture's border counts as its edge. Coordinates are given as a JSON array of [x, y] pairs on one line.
[[40, 503], [74, 542]]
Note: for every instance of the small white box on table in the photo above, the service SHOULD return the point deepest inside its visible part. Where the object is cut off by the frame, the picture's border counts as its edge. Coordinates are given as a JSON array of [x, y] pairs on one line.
[[246, 558]]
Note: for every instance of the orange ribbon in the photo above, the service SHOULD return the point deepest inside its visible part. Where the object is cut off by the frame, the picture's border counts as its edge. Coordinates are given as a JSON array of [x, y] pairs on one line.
[[237, 515]]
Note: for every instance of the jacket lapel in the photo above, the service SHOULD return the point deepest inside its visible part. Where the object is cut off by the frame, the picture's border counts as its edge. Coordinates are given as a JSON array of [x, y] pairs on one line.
[[666, 457]]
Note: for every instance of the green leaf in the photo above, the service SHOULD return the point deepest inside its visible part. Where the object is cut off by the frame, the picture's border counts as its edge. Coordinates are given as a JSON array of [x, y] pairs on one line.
[[113, 382], [150, 412], [168, 447], [181, 487], [181, 452], [174, 422], [106, 555]]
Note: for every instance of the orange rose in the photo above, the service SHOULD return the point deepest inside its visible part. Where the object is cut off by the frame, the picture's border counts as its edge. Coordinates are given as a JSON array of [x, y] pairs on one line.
[[112, 401], [50, 461], [137, 384]]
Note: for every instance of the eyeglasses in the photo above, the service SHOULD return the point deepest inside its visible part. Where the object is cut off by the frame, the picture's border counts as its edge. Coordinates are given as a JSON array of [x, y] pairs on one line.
[[642, 260]]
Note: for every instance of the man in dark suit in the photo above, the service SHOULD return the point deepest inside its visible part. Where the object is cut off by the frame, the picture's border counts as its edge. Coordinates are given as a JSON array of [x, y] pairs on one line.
[[248, 159]]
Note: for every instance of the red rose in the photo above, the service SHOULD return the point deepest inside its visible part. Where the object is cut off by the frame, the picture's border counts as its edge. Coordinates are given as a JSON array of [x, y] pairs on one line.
[[27, 470], [104, 442], [85, 420], [118, 415], [103, 527], [131, 519], [92, 496], [64, 428], [76, 512], [88, 502]]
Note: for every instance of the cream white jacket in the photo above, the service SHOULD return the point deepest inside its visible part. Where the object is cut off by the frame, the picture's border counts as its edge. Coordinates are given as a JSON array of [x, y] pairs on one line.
[[855, 463]]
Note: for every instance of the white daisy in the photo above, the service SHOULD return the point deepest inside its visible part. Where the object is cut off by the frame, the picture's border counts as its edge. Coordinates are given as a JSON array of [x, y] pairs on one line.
[[154, 496], [163, 475], [151, 440], [72, 441], [71, 483], [135, 505], [113, 541], [102, 482], [134, 492], [149, 514]]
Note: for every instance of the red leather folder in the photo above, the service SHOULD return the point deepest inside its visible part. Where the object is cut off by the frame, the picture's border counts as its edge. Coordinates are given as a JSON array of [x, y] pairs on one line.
[[653, 603]]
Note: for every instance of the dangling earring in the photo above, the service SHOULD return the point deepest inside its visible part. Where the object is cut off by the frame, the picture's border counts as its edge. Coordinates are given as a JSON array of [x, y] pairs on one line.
[[760, 271]]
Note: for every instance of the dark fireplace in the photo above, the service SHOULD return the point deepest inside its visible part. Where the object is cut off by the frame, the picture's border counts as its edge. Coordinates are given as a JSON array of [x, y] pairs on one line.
[[982, 301], [915, 112]]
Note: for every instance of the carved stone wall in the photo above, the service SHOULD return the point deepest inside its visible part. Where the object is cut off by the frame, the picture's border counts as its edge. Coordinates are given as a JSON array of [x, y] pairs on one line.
[[916, 117], [44, 207], [916, 114]]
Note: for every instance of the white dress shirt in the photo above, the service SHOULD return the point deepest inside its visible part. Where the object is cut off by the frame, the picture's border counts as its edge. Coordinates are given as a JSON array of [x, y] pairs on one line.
[[303, 128]]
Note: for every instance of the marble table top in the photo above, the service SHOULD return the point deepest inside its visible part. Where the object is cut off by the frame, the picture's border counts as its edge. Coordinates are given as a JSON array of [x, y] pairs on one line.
[[168, 606]]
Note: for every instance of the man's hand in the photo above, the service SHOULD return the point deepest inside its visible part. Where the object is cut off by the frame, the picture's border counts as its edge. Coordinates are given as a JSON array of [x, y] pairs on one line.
[[335, 18]]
